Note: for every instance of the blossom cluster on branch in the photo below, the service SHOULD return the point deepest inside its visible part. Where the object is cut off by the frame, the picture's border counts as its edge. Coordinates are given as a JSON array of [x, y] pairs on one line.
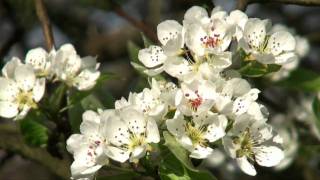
[[23, 84], [196, 94]]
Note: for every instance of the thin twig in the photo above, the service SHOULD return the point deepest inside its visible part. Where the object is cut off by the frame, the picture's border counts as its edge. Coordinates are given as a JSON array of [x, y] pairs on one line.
[[296, 2], [17, 33], [12, 141], [45, 23], [242, 4], [136, 23]]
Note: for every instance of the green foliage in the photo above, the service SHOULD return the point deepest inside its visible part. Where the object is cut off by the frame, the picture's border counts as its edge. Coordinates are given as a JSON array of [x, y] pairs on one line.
[[302, 79], [57, 97], [146, 41], [256, 69], [179, 152], [316, 110], [32, 129], [77, 96], [171, 169]]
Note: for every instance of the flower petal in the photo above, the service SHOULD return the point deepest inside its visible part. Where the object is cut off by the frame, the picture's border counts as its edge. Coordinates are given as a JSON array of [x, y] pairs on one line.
[[268, 155], [246, 166], [25, 77], [281, 41], [39, 89], [8, 109], [168, 30], [152, 56]]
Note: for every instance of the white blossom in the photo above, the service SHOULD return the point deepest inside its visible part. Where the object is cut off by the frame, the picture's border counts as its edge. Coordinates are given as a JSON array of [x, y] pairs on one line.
[[252, 141], [41, 61], [195, 97], [88, 147], [275, 48], [20, 90], [75, 71], [129, 134], [196, 134]]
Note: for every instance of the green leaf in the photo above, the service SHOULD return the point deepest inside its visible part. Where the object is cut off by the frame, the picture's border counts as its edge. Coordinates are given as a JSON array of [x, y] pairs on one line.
[[56, 99], [316, 111], [302, 79], [181, 153], [146, 41], [123, 176], [33, 131], [171, 169], [256, 69], [133, 50], [77, 96]]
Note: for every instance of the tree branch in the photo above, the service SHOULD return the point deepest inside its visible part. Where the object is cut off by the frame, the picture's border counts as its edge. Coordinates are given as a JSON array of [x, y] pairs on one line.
[[17, 33], [12, 141], [296, 2], [242, 4], [45, 23], [136, 23]]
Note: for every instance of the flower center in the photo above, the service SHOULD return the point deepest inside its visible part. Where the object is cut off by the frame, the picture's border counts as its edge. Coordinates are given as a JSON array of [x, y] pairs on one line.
[[135, 141], [246, 144], [195, 134], [25, 98], [195, 103], [209, 41]]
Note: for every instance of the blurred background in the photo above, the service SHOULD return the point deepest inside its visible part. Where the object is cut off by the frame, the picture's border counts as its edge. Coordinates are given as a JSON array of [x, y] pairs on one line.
[[104, 28]]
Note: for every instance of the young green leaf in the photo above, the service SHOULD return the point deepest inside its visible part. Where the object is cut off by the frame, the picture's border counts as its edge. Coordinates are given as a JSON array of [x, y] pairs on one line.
[[34, 132], [302, 79], [171, 169], [181, 153]]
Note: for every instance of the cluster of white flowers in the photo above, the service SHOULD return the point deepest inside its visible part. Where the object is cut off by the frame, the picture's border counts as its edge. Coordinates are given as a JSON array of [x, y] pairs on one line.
[[210, 101], [23, 84]]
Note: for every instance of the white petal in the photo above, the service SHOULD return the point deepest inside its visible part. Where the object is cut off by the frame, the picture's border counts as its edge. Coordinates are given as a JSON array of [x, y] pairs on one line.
[[117, 154], [152, 131], [246, 166], [286, 58], [216, 130], [255, 32], [134, 120], [268, 155], [137, 153], [8, 89], [176, 126], [195, 13], [264, 58], [229, 147], [22, 114], [200, 152], [8, 109], [25, 77], [220, 60], [39, 89], [152, 56], [218, 13], [195, 37], [281, 42], [86, 79], [73, 142], [90, 123], [37, 58], [10, 67], [116, 131], [177, 67], [168, 30], [237, 17]]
